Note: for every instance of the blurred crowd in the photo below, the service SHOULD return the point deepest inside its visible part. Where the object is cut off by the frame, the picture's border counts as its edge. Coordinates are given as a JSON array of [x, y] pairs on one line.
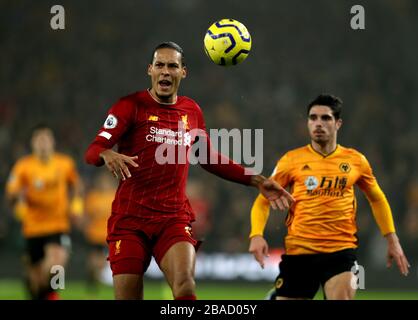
[[70, 78]]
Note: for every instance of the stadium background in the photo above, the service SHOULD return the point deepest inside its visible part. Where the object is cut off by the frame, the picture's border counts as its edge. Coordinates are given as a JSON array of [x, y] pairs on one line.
[[69, 79]]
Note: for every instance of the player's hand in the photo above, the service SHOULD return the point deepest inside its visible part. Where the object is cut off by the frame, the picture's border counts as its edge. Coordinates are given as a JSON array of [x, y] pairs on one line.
[[259, 248], [278, 197], [117, 163], [396, 253]]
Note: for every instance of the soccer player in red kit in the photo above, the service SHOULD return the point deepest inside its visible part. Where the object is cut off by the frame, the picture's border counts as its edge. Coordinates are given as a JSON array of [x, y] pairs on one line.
[[151, 215]]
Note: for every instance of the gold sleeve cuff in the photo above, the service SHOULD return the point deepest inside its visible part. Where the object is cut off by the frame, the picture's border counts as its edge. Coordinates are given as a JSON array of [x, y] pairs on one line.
[[259, 215], [381, 210]]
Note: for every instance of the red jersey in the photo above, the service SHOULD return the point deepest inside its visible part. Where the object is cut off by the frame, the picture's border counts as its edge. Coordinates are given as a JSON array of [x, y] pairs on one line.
[[141, 126]]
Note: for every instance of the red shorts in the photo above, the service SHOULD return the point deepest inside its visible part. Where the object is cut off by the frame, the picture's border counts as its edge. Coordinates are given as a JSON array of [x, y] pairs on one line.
[[130, 251]]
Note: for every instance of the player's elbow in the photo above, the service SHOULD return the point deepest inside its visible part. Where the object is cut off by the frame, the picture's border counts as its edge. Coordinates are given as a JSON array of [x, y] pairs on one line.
[[92, 156], [11, 199], [88, 157]]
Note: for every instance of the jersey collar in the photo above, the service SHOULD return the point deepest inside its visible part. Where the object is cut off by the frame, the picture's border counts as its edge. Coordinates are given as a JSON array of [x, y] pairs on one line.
[[336, 151], [164, 103]]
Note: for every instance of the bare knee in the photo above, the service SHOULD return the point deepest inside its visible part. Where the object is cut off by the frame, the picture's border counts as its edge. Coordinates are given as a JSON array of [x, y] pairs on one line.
[[184, 285], [128, 287], [340, 287], [178, 267], [55, 255]]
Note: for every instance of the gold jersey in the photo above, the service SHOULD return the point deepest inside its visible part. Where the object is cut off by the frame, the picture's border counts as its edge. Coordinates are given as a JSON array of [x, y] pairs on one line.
[[44, 187], [98, 207], [323, 218]]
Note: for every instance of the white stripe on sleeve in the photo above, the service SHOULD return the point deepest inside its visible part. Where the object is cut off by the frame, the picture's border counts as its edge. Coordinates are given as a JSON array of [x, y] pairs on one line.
[[105, 134]]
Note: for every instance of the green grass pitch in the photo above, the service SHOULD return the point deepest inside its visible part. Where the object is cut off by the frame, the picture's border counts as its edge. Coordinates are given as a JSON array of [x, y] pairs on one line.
[[156, 290]]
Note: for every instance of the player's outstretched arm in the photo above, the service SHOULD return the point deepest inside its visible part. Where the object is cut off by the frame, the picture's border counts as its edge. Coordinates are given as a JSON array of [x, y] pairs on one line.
[[396, 253], [278, 197], [227, 169], [117, 163], [383, 216], [259, 248]]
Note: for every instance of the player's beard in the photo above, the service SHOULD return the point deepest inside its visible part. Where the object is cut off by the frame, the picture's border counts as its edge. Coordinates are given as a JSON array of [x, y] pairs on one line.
[[321, 140], [165, 97]]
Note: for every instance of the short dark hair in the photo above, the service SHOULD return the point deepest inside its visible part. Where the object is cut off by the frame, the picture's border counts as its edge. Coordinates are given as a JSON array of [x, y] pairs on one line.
[[329, 100], [40, 126], [170, 45]]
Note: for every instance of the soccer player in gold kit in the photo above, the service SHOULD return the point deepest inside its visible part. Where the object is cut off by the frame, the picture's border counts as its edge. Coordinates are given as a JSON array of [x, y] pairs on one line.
[[39, 186], [321, 239], [98, 206]]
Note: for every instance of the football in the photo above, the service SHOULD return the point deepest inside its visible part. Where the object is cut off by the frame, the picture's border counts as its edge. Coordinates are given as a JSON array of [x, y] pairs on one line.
[[227, 42]]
